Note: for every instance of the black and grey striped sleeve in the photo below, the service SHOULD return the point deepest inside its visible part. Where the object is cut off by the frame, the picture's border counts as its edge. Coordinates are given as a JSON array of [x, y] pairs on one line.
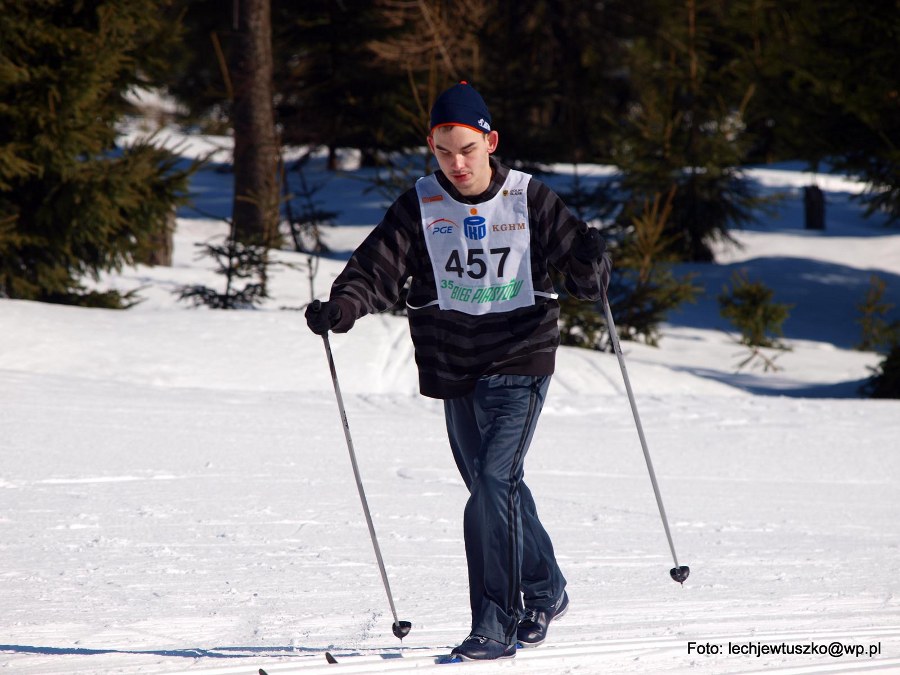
[[377, 270], [557, 232]]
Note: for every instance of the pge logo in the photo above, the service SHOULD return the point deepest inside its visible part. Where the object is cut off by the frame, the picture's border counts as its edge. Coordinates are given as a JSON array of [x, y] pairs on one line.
[[475, 227], [442, 226]]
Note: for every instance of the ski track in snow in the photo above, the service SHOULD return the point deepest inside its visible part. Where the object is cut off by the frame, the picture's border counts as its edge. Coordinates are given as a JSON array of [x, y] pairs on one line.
[[219, 531], [592, 656], [626, 655]]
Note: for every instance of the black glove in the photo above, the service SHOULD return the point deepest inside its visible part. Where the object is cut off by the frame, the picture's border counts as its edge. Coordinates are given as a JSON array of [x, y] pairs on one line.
[[589, 246], [321, 317]]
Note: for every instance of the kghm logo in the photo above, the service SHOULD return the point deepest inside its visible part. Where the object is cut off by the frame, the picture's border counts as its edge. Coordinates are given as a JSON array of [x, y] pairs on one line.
[[474, 226], [507, 227]]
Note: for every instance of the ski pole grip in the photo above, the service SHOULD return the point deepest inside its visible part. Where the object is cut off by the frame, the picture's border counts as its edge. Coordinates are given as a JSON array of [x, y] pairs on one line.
[[316, 305]]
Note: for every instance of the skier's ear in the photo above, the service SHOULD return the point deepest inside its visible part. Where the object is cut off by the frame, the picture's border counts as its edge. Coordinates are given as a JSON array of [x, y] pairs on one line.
[[493, 140]]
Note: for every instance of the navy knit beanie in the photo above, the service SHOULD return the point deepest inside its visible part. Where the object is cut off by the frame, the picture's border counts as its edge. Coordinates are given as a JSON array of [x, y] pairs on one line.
[[461, 105]]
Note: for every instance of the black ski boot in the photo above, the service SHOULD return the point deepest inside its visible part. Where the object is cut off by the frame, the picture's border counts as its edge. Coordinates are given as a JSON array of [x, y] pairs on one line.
[[480, 648], [533, 627]]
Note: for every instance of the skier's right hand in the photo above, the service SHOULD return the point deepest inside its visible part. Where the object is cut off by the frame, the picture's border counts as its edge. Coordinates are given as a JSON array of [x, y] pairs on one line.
[[321, 317]]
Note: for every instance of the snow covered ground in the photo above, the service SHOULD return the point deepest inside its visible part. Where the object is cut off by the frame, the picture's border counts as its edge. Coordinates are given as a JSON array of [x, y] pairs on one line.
[[176, 494]]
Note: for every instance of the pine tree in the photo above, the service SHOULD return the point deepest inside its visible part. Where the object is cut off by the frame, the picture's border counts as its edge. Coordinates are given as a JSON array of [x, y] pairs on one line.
[[885, 380], [238, 263], [643, 289], [841, 68], [878, 331], [72, 204], [429, 45], [749, 307], [882, 334], [685, 126]]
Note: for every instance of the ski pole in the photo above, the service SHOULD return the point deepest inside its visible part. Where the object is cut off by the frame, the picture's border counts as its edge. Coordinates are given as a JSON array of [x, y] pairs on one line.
[[400, 628], [680, 572]]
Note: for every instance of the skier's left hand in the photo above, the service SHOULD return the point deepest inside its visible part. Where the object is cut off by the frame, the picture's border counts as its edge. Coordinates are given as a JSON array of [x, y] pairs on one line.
[[589, 245]]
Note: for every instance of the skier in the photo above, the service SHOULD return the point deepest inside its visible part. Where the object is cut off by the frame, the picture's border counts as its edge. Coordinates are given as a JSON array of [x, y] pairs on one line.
[[476, 240]]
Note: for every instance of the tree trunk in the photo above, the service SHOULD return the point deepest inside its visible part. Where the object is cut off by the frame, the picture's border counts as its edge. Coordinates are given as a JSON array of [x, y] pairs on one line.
[[162, 244], [814, 207], [255, 152]]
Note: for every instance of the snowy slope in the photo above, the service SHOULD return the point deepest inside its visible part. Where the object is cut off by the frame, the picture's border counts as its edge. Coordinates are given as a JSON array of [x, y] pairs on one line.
[[176, 497]]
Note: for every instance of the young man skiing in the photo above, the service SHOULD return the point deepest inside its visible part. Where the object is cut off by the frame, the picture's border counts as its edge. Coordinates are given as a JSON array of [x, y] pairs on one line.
[[476, 240]]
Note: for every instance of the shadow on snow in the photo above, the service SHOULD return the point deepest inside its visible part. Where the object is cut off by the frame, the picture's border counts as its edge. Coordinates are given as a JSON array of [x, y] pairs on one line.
[[192, 653], [212, 653], [825, 297]]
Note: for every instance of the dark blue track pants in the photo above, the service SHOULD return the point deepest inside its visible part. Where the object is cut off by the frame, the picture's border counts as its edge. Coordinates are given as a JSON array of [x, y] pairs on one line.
[[508, 551]]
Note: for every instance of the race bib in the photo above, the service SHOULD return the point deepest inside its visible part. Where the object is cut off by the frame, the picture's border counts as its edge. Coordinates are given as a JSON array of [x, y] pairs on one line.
[[480, 253]]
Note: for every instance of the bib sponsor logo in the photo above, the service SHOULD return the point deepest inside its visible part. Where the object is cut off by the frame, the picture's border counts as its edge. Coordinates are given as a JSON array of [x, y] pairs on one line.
[[441, 226], [433, 198], [474, 226], [508, 227]]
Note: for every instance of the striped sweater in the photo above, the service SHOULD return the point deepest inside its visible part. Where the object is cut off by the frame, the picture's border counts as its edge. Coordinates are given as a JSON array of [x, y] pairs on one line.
[[453, 349]]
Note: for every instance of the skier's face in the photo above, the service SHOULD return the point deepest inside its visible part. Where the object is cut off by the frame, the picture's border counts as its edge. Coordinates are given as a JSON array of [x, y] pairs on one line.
[[464, 156]]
